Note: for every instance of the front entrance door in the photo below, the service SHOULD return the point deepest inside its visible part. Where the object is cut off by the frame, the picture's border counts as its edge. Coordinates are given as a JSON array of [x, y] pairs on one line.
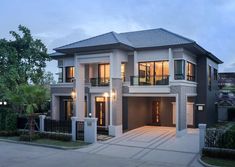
[[100, 110], [156, 113]]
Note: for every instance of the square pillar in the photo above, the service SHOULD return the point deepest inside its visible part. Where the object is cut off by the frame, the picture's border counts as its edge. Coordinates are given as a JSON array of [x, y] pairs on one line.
[[74, 128], [80, 91], [181, 115], [171, 65], [41, 122], [115, 117], [90, 130]]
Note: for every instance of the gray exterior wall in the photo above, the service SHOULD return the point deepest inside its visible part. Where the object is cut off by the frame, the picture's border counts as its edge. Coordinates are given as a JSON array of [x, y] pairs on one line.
[[137, 111], [205, 96], [61, 90]]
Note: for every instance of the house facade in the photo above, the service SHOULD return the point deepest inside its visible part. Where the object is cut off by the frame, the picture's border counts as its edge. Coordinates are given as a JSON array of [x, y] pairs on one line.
[[127, 80]]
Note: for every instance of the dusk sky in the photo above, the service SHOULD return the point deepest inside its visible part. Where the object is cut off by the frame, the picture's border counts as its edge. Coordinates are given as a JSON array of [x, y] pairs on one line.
[[211, 23]]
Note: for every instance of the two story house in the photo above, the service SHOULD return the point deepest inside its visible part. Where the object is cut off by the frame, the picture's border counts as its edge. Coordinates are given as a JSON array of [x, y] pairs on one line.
[[127, 80]]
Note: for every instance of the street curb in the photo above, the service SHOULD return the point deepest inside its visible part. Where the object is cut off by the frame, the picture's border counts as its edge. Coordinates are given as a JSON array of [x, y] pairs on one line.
[[41, 145], [205, 164]]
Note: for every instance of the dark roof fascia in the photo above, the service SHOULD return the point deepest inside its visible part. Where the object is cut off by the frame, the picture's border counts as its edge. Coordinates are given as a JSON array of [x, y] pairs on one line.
[[208, 54], [162, 47], [96, 48]]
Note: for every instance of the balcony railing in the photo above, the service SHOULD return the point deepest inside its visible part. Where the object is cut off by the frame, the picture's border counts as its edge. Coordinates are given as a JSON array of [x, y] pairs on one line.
[[150, 80], [99, 81]]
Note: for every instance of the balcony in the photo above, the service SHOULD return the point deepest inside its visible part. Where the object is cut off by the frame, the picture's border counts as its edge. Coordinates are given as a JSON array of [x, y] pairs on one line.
[[99, 81], [149, 80]]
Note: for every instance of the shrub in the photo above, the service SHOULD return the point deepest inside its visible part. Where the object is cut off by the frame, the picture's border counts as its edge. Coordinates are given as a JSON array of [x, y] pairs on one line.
[[9, 133], [218, 153], [2, 119], [11, 121]]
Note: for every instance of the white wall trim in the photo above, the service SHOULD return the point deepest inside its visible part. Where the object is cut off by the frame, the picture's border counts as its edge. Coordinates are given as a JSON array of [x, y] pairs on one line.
[[150, 89], [148, 95]]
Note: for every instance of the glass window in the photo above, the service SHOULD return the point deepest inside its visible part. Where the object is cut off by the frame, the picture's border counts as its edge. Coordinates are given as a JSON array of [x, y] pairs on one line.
[[69, 74], [123, 72], [179, 68], [190, 71], [153, 73], [60, 74], [215, 74], [209, 77], [104, 74]]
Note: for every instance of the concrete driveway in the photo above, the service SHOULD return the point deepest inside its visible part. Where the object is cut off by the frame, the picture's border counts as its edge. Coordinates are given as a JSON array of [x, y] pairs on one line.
[[151, 144]]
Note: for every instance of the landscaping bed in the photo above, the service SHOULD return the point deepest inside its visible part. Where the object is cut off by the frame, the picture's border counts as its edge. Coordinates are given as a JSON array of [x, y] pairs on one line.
[[47, 142], [218, 161]]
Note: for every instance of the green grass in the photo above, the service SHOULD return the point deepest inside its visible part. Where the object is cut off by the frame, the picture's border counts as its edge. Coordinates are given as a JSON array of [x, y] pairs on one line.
[[219, 162], [60, 143], [232, 128], [51, 142]]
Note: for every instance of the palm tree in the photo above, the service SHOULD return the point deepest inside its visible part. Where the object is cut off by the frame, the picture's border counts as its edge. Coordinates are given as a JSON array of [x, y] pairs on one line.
[[29, 98]]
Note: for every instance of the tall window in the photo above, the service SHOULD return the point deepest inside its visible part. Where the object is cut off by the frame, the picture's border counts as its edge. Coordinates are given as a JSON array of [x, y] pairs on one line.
[[153, 73], [60, 74], [209, 77], [69, 74], [123, 72], [215, 74], [190, 71], [179, 68], [104, 74]]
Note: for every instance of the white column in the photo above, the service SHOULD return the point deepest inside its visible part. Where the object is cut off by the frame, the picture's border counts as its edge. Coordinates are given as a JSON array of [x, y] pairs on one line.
[[74, 128], [171, 65], [80, 90], [202, 135], [135, 64], [41, 122], [90, 130]]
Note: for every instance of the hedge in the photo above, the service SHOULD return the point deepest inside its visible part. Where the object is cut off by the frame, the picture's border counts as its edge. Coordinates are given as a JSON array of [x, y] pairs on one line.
[[8, 120], [218, 153]]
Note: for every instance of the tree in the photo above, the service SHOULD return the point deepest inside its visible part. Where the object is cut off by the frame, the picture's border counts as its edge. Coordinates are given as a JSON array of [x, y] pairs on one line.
[[22, 60], [29, 98]]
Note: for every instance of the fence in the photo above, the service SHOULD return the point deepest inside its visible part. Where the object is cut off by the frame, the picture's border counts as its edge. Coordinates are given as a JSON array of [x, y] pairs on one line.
[[80, 130], [220, 139], [23, 123], [58, 126]]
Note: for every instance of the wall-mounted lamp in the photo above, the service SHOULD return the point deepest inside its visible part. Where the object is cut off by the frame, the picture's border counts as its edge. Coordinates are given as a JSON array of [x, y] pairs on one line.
[[114, 94], [73, 94], [90, 115], [106, 94]]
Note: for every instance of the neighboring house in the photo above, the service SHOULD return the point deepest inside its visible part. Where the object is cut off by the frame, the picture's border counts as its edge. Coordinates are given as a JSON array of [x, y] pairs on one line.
[[226, 96], [132, 79]]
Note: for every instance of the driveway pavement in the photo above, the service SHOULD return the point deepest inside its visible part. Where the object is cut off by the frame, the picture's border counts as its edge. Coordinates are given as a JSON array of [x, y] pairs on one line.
[[146, 146], [151, 144]]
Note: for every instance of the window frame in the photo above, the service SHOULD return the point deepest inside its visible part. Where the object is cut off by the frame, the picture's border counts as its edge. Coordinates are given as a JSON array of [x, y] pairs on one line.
[[215, 71], [209, 77], [147, 77], [60, 79], [69, 79], [190, 77], [182, 68]]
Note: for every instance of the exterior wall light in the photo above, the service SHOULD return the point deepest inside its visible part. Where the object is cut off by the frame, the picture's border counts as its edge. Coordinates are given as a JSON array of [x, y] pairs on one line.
[[1, 103], [90, 115], [114, 94], [73, 94], [106, 94], [4, 103]]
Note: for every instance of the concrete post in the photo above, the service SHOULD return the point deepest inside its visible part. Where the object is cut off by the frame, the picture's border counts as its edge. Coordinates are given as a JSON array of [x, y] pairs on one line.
[[41, 122], [90, 130], [74, 128], [202, 134]]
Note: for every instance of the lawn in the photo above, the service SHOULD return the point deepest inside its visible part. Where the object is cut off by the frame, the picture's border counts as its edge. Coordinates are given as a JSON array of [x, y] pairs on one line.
[[51, 142], [233, 127], [219, 162]]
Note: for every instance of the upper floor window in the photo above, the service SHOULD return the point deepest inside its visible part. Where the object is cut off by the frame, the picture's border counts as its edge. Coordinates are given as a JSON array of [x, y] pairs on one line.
[[190, 71], [69, 71], [179, 69], [60, 74], [209, 77], [123, 72], [103, 74], [154, 73], [215, 74]]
